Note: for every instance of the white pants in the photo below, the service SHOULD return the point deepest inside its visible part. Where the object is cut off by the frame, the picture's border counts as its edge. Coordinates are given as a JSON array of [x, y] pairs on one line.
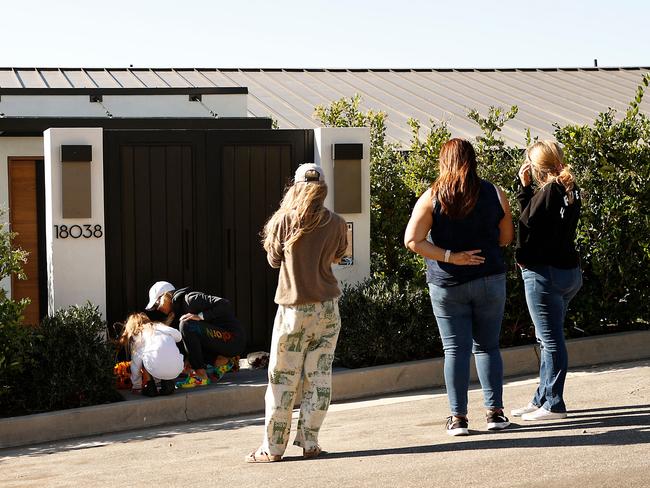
[[303, 344]]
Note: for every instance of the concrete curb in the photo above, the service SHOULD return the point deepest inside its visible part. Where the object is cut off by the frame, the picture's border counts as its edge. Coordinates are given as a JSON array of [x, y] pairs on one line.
[[248, 396], [417, 375]]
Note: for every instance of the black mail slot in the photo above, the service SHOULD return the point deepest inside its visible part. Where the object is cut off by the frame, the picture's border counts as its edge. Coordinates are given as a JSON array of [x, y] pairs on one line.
[[72, 154], [347, 151]]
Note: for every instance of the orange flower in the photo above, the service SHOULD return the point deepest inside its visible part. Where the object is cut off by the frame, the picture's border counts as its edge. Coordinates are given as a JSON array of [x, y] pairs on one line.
[[122, 372]]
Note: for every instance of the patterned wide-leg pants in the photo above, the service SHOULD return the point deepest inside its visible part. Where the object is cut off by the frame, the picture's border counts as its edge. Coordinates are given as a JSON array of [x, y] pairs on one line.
[[303, 343]]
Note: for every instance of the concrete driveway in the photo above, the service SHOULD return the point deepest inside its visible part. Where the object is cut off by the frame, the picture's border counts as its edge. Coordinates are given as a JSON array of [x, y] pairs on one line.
[[397, 441]]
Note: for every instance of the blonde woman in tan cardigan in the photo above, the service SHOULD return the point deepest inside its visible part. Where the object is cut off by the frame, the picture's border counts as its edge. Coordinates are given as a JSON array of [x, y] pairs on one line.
[[303, 238]]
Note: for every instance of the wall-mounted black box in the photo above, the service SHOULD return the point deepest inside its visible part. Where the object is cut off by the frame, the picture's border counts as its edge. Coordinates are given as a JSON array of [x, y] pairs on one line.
[[347, 151], [72, 154]]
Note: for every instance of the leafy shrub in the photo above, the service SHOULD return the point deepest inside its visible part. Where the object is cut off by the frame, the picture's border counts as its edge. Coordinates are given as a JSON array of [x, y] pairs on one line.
[[14, 338], [70, 364], [611, 159], [15, 357], [420, 162], [385, 321]]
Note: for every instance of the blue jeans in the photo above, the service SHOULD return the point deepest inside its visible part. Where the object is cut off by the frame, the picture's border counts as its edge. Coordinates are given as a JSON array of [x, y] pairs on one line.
[[469, 319], [548, 293]]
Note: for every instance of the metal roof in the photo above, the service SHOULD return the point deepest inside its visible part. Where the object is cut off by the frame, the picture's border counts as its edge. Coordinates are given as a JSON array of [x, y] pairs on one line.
[[544, 95]]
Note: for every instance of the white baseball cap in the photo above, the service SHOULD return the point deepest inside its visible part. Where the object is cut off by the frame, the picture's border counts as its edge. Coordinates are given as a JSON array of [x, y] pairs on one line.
[[309, 172], [158, 289]]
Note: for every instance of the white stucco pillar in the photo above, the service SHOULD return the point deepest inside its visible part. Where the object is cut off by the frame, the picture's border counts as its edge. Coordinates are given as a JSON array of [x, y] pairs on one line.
[[76, 268], [324, 138]]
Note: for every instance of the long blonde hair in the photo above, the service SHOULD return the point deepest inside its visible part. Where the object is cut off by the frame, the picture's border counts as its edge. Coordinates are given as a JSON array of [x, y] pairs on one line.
[[135, 325], [303, 207], [547, 158]]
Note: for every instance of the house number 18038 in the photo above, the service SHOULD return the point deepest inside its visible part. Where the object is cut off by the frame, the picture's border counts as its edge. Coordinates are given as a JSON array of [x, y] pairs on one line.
[[87, 231]]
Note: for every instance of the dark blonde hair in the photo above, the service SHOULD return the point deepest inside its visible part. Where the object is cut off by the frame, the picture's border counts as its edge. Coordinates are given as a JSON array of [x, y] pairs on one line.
[[303, 207], [546, 159], [457, 186], [136, 323], [168, 295]]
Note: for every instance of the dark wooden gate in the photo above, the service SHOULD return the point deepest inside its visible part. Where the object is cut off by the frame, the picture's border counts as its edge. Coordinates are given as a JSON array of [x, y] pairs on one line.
[[187, 207]]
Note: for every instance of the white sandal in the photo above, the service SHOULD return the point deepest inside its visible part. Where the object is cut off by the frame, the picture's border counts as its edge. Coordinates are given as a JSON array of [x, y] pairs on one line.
[[260, 456]]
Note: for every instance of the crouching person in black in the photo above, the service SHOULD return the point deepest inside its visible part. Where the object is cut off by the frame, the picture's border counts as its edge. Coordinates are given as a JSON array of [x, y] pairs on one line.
[[211, 332]]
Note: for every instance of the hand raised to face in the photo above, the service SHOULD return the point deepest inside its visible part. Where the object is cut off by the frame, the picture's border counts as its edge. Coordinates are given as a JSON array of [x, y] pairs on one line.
[[524, 174]]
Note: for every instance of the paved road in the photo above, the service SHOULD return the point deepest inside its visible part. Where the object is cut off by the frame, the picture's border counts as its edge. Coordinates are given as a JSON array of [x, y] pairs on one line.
[[389, 442]]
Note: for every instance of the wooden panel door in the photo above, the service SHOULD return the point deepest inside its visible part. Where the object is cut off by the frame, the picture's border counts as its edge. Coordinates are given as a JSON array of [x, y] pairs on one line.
[[157, 228], [25, 214], [150, 216], [187, 207], [254, 177]]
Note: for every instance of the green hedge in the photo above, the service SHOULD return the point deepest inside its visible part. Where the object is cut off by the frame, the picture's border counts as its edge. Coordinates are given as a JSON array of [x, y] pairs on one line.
[[611, 160], [386, 322], [64, 362], [612, 163]]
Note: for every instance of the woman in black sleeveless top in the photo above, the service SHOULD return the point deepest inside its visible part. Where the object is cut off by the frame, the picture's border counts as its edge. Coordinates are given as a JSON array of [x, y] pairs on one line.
[[468, 220]]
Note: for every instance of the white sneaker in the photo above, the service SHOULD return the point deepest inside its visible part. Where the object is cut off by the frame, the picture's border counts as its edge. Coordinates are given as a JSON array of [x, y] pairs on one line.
[[543, 414], [518, 412]]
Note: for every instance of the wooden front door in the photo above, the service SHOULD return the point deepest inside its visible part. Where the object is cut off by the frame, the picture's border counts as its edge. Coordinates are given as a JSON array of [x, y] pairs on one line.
[[187, 207], [150, 218], [254, 177], [26, 214]]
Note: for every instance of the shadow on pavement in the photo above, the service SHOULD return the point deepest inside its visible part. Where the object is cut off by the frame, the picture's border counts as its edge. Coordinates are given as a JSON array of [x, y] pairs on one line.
[[631, 426], [131, 436], [573, 413]]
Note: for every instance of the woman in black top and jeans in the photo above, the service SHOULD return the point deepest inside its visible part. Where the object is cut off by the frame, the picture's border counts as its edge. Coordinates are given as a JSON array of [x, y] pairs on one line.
[[550, 267], [460, 225]]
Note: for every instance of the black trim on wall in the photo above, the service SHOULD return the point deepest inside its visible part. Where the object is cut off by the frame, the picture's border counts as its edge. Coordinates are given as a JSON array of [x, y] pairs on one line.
[[42, 257], [347, 151], [213, 90], [35, 126], [309, 146]]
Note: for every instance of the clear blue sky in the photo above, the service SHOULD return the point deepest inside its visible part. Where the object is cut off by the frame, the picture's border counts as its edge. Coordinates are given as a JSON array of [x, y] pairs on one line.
[[319, 33]]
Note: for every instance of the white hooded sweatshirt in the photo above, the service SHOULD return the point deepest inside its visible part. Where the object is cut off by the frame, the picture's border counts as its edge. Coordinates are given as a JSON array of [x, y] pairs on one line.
[[155, 349]]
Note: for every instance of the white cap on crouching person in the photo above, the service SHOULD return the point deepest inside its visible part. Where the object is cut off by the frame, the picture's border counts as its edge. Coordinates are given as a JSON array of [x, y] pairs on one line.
[[309, 173], [158, 289]]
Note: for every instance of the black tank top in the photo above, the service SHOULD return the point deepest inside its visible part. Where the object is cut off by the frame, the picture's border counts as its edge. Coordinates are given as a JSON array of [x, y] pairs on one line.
[[478, 230]]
